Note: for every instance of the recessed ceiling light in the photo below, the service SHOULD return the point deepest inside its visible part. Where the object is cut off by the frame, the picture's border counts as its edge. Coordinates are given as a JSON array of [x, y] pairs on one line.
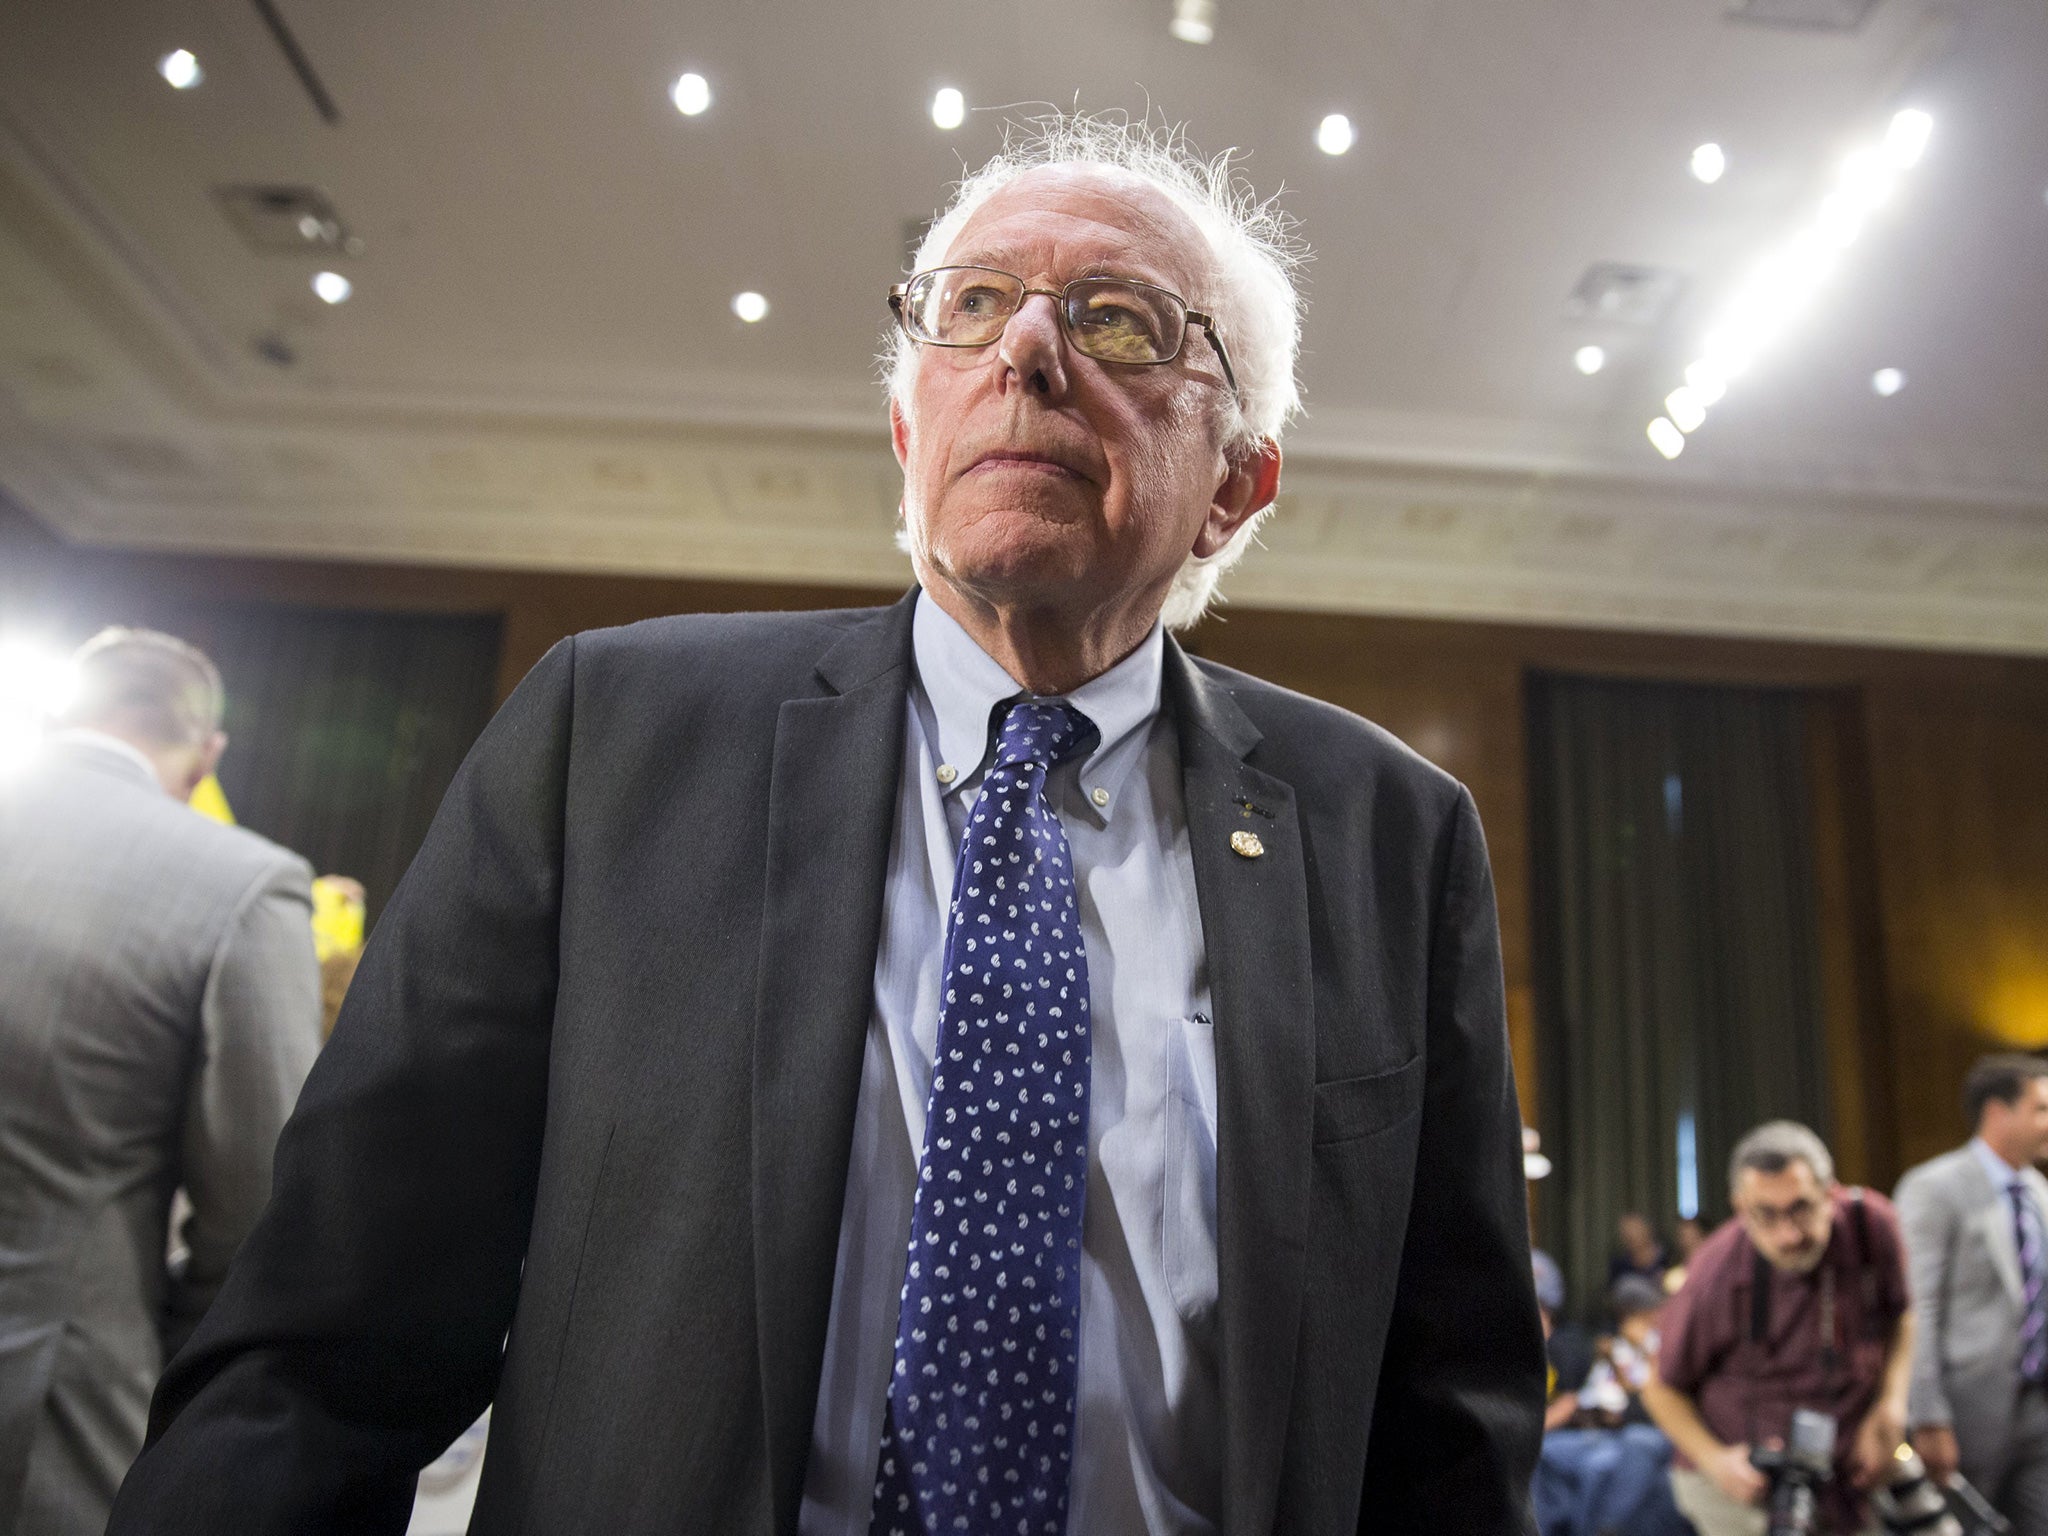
[[332, 286], [1888, 381], [181, 69], [1589, 360], [1335, 134], [750, 306], [1708, 163], [949, 108], [1666, 438], [1194, 21], [691, 93]]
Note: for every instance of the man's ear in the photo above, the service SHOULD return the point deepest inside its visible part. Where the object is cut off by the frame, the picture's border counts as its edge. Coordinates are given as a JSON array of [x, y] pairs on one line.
[[1247, 489], [899, 434]]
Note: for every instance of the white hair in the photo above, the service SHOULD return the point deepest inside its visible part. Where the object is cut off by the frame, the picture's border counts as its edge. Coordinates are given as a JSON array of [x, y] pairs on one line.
[[1253, 252]]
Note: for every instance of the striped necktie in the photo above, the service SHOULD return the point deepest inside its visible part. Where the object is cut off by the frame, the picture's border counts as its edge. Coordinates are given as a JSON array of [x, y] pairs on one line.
[[2033, 1282]]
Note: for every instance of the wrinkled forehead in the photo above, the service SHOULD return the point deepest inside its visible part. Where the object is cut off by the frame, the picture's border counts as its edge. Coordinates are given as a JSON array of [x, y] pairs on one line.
[[1066, 221]]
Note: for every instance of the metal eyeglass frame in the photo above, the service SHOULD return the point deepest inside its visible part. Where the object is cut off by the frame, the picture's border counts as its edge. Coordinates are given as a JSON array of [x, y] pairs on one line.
[[1190, 316]]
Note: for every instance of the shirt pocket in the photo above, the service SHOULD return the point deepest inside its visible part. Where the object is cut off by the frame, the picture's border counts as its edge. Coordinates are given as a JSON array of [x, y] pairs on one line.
[[1188, 1239]]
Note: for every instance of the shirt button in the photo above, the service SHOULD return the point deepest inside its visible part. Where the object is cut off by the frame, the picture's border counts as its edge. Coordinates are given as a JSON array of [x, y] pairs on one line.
[[948, 773], [1099, 795]]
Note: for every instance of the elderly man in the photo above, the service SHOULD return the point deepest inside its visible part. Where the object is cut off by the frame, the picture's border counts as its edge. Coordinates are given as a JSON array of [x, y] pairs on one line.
[[1799, 1304], [159, 1008], [963, 1066]]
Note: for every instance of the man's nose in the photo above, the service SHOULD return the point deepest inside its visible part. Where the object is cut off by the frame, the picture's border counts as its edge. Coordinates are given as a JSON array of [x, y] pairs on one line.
[[1033, 348]]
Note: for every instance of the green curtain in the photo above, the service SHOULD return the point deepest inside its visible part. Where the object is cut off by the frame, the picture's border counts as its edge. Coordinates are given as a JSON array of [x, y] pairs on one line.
[[345, 728], [1678, 980]]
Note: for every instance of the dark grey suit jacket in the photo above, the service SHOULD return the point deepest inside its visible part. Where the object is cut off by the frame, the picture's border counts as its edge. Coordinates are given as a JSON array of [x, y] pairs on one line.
[[595, 1084]]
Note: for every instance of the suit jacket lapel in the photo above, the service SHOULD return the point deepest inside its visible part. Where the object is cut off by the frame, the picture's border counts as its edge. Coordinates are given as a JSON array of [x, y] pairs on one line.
[[831, 809], [1255, 930], [1994, 1220]]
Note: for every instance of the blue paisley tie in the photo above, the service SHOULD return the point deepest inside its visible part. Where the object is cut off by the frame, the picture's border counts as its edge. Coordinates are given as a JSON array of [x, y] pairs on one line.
[[980, 1425]]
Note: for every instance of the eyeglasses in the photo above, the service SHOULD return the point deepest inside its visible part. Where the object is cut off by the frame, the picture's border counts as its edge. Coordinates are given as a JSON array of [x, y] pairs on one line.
[[1111, 319], [1803, 1215]]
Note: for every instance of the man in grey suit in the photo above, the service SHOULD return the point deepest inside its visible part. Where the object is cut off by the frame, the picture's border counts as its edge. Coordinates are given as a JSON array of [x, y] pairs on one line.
[[159, 1009], [814, 1053], [1975, 1221]]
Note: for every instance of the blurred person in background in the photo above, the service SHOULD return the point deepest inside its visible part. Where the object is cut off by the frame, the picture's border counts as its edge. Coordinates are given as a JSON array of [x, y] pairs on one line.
[[1603, 1469], [1637, 1250], [1686, 1238], [1801, 1303], [159, 1009], [1976, 1222]]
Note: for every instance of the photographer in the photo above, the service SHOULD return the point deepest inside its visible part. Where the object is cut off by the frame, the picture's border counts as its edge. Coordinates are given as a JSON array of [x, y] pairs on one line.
[[1799, 1303]]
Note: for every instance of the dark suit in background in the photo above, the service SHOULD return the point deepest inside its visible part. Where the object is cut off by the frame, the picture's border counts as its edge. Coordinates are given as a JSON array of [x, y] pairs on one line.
[[596, 1081], [159, 1008]]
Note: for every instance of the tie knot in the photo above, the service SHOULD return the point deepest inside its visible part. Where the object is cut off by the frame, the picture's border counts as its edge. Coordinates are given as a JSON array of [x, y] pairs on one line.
[[1041, 731]]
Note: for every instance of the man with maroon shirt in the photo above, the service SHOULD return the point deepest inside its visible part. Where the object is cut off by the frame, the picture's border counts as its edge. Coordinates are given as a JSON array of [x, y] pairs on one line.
[[1834, 1334]]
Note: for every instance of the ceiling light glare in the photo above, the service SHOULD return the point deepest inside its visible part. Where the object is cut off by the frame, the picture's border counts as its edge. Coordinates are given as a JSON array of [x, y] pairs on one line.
[[1335, 134], [691, 94], [1866, 179], [1839, 221], [181, 69], [36, 685], [1906, 140], [1666, 438], [1684, 408], [1706, 381], [332, 287], [1589, 360], [949, 108], [750, 307], [1194, 21], [1709, 163], [1888, 381]]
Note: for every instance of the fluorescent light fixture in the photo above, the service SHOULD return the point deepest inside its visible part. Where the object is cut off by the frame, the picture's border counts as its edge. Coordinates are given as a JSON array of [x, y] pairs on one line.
[[1589, 360], [1709, 162], [1335, 134], [1194, 21], [1684, 409], [1666, 438], [750, 306], [1784, 285], [949, 108], [332, 287], [1706, 381], [1906, 140], [181, 69], [691, 93]]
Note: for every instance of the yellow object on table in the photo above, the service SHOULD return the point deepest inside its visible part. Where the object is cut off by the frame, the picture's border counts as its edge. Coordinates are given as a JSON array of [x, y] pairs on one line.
[[210, 801]]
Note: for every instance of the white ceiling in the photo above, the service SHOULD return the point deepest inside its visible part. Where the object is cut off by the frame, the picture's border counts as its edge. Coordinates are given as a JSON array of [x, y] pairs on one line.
[[540, 367]]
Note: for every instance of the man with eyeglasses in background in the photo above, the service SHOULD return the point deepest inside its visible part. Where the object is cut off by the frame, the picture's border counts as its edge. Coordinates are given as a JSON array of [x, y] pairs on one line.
[[1798, 1303], [965, 1066]]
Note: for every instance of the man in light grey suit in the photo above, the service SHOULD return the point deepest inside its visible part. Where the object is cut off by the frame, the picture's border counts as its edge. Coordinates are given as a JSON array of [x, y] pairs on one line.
[[159, 1008], [1976, 1223]]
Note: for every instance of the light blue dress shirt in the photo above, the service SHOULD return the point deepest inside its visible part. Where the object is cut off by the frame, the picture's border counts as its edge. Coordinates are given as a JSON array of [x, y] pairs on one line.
[[1148, 1443]]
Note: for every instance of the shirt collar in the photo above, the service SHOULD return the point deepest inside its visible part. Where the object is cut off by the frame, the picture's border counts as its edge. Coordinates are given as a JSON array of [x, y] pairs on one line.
[[2001, 1173], [131, 756], [964, 685]]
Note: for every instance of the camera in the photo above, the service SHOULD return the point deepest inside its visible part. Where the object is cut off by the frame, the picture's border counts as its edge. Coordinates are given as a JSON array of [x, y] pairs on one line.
[[1907, 1503], [1797, 1472]]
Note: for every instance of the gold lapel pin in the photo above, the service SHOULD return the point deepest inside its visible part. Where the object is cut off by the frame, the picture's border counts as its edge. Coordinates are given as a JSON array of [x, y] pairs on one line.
[[1246, 844]]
